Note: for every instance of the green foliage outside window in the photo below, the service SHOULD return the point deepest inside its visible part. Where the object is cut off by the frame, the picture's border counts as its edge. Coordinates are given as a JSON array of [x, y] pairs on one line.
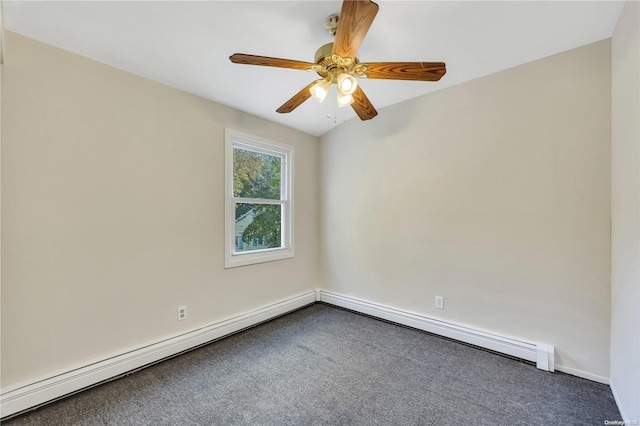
[[257, 175]]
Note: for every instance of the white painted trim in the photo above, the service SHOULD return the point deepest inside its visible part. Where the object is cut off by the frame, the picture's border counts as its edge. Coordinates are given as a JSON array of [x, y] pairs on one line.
[[64, 383], [583, 374], [616, 398], [541, 354], [235, 138]]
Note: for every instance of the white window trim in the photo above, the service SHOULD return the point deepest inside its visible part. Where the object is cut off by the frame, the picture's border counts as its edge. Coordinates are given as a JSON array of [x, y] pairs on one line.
[[233, 138]]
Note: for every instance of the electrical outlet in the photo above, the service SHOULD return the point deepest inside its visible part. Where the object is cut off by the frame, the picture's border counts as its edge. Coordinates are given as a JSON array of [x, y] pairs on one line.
[[439, 302], [182, 313]]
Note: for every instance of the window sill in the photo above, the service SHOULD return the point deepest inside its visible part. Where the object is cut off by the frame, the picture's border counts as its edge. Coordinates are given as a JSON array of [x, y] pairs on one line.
[[262, 256]]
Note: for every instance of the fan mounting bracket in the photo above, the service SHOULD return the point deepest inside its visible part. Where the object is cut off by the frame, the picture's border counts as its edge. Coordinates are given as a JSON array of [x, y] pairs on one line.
[[331, 24]]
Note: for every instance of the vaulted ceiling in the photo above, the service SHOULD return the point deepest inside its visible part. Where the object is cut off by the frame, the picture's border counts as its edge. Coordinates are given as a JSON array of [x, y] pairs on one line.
[[187, 44]]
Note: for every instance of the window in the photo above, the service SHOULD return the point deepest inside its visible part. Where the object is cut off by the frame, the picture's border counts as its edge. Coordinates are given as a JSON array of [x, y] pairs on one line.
[[258, 204]]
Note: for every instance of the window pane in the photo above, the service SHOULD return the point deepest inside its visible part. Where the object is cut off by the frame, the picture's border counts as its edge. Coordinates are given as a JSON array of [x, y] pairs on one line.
[[258, 226], [256, 175]]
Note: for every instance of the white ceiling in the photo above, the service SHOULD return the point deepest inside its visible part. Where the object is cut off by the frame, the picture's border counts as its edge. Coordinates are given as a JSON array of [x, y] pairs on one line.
[[187, 44]]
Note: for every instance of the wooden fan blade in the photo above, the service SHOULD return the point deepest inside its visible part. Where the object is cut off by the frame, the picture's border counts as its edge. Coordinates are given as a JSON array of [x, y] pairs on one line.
[[297, 100], [362, 106], [354, 22], [423, 71], [243, 58]]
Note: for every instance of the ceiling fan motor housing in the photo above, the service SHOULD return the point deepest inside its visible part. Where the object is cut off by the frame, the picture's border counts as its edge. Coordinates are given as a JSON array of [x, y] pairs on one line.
[[324, 52], [330, 65]]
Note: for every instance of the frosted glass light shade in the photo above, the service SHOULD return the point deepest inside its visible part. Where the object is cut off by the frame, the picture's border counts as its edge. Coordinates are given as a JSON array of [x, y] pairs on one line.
[[347, 83], [344, 100], [320, 89]]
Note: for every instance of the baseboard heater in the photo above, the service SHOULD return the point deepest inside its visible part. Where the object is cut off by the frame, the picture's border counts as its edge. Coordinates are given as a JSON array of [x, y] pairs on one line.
[[21, 398], [540, 353]]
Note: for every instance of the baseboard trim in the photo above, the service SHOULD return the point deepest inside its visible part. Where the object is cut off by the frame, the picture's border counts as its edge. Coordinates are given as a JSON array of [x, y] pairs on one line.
[[59, 385], [616, 398], [540, 353], [583, 374]]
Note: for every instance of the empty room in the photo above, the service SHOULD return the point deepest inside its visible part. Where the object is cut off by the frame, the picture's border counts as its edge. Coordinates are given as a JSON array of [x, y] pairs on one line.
[[320, 212]]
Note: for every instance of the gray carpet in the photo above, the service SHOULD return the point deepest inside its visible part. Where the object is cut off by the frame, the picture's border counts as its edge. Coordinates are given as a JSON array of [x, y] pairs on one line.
[[325, 366]]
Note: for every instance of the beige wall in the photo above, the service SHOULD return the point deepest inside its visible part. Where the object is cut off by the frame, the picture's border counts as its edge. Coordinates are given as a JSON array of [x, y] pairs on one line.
[[494, 194], [625, 200], [112, 213]]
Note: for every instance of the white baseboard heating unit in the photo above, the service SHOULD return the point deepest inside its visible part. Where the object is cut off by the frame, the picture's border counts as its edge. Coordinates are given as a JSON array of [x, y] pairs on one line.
[[540, 353]]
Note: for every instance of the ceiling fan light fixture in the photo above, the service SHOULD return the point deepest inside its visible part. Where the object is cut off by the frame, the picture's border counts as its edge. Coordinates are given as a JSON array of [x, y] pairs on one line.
[[347, 83], [320, 89], [344, 100], [337, 63]]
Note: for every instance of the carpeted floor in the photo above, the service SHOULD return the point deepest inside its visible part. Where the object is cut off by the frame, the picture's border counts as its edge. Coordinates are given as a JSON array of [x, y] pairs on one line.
[[325, 366]]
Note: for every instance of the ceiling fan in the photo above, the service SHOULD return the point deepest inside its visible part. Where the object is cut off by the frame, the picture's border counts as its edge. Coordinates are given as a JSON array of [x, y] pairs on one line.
[[336, 63]]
